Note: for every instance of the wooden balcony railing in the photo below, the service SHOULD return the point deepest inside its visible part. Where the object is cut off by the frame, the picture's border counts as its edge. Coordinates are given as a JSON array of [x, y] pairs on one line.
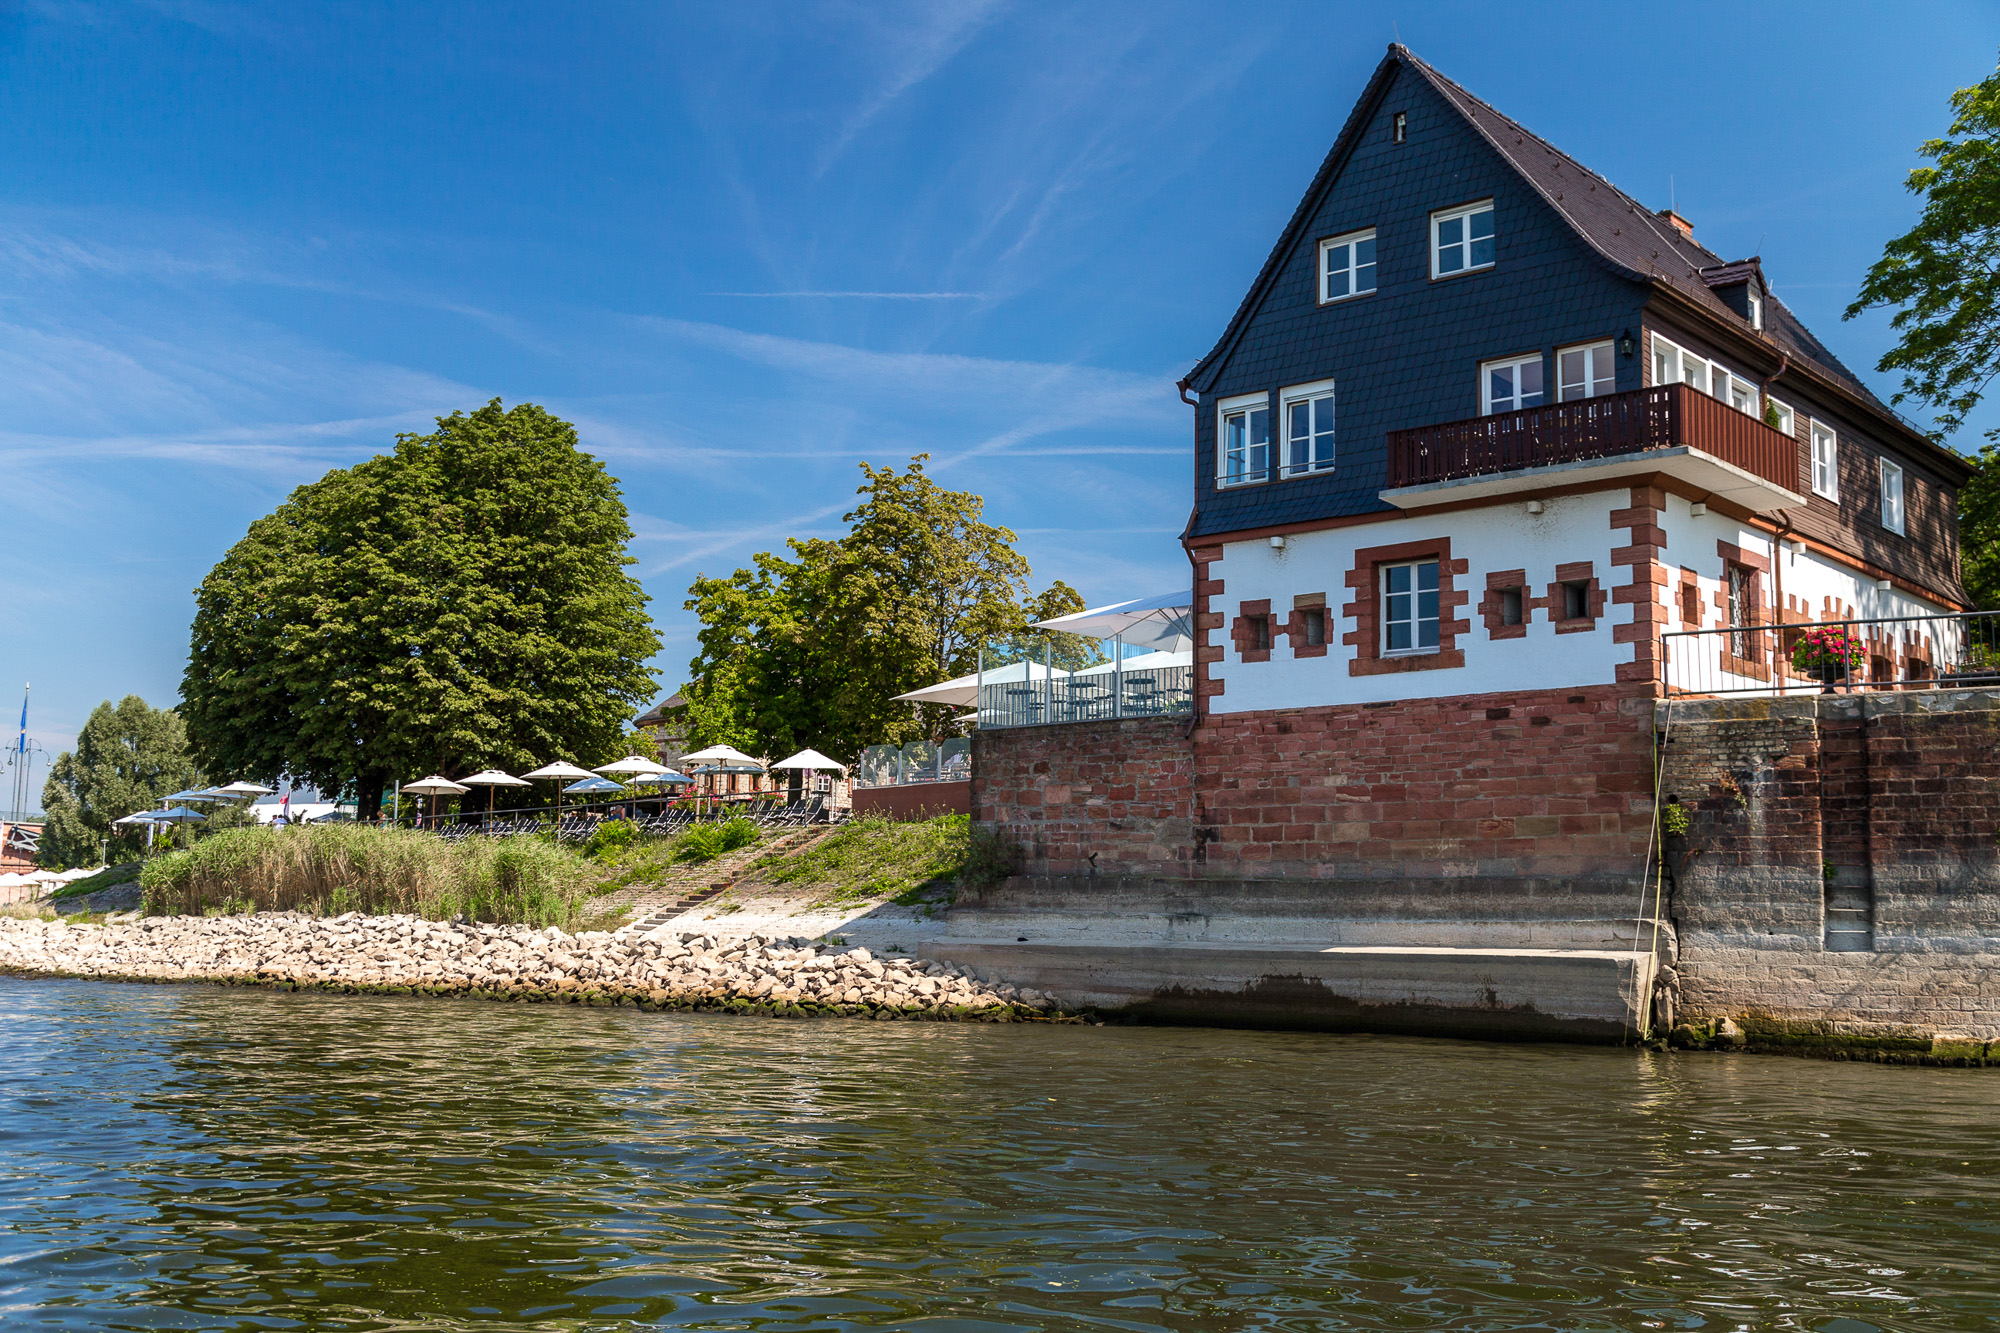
[[1604, 427]]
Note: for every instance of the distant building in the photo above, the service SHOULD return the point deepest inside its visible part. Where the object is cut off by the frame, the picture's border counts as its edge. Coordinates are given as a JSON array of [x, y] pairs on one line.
[[666, 722]]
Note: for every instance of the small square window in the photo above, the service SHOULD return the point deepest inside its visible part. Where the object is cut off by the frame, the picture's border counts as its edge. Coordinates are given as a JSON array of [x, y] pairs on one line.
[[1260, 634], [1410, 607], [1315, 619], [1347, 266], [1892, 497], [1462, 239], [1825, 462], [1510, 606], [1576, 601], [1585, 372], [1508, 386]]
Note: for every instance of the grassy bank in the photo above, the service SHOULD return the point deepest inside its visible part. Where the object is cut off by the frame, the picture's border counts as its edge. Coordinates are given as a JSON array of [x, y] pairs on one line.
[[331, 868], [877, 858]]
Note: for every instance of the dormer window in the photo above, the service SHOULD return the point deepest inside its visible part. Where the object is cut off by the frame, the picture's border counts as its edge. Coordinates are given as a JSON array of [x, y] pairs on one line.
[[1756, 300], [1462, 239]]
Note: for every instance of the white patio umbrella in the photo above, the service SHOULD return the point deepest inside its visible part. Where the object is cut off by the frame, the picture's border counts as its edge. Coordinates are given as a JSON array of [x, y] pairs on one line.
[[559, 770], [633, 764], [492, 778], [810, 759], [720, 754], [435, 786], [242, 789]]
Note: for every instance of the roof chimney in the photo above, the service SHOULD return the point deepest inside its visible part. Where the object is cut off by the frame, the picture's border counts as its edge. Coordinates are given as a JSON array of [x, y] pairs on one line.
[[1681, 224]]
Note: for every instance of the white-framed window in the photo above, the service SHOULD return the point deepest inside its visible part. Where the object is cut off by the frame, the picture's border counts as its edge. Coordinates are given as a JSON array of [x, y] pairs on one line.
[[1347, 266], [1410, 607], [1308, 418], [1674, 364], [1825, 462], [1462, 239], [1510, 385], [1243, 439], [1787, 419], [1892, 496], [1756, 300], [1585, 372]]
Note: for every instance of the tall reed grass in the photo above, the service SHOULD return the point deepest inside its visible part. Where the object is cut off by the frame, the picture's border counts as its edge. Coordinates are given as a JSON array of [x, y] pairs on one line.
[[331, 868]]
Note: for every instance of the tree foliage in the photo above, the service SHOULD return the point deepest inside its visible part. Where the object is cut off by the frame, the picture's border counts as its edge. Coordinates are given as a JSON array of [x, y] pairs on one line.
[[460, 603], [127, 757], [1944, 273], [811, 650]]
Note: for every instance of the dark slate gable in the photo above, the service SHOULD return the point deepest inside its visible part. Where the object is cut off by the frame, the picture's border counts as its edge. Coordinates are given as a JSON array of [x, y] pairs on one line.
[[1409, 354]]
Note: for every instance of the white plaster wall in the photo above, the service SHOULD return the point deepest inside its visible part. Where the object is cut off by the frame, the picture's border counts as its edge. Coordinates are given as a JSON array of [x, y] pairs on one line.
[[1805, 580], [1505, 536]]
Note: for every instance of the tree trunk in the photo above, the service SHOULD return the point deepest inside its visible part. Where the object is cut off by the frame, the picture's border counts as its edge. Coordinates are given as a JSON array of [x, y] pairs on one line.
[[368, 798]]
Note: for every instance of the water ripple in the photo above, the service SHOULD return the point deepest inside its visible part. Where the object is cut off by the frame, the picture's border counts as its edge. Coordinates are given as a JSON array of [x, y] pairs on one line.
[[192, 1158]]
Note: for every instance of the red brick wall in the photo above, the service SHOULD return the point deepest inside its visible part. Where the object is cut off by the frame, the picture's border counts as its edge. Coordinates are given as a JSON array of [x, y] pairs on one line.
[[1089, 797], [1557, 783]]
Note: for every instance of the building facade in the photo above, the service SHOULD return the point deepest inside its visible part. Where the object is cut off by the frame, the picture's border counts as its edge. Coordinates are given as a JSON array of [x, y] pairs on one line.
[[1485, 440], [1485, 423]]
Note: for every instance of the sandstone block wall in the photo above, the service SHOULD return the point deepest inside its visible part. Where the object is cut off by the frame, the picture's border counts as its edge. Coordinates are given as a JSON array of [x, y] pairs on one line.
[[1091, 797], [1879, 811]]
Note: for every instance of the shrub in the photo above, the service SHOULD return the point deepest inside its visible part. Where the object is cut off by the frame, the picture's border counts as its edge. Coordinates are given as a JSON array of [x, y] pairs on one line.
[[705, 842], [332, 868], [611, 837]]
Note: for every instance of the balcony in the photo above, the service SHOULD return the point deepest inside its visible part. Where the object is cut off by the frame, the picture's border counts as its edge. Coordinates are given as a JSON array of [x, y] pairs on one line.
[[1670, 429]]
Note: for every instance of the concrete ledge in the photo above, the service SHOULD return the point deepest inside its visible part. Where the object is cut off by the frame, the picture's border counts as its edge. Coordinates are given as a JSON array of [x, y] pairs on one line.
[[1501, 994]]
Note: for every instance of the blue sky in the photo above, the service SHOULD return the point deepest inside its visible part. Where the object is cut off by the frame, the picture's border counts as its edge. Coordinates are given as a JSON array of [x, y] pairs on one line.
[[746, 246]]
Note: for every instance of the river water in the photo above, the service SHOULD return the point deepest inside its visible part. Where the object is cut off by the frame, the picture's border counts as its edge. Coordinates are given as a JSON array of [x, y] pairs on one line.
[[190, 1157]]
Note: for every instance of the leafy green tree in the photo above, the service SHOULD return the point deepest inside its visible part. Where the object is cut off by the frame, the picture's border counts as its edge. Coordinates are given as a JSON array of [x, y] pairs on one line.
[[127, 757], [812, 650], [1944, 273], [461, 603]]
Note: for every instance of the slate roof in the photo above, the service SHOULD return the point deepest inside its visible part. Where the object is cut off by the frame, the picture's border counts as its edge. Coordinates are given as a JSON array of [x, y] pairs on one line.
[[1631, 239]]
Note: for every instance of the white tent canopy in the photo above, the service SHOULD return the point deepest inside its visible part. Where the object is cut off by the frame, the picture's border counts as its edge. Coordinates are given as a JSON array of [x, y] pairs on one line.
[[720, 754], [809, 759], [1161, 621], [1141, 662], [963, 692]]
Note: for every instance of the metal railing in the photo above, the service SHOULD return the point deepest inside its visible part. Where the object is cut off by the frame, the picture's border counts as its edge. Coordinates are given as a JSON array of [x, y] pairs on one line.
[[1087, 697], [1603, 427], [1942, 651]]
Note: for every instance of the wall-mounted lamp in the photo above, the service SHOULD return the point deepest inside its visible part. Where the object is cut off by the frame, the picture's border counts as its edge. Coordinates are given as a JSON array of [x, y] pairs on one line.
[[1794, 545], [1883, 585], [1277, 543], [1627, 344], [1534, 506], [1698, 508]]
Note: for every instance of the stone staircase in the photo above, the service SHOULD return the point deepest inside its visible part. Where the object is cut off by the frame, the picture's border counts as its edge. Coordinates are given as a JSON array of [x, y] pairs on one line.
[[688, 887]]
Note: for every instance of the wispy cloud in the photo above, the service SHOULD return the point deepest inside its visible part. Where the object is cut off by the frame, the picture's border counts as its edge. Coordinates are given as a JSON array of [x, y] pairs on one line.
[[865, 296], [920, 42]]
